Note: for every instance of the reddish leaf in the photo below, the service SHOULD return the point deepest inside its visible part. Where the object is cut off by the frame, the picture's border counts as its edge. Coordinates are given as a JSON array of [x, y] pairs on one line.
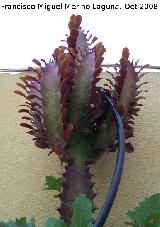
[[138, 98], [25, 105], [130, 122], [138, 92], [128, 127], [22, 86], [32, 86], [20, 93], [24, 111], [141, 84], [33, 97], [52, 151], [67, 132], [134, 104], [56, 53], [57, 147], [37, 71], [41, 136], [30, 78], [27, 118], [24, 80], [26, 125], [110, 82], [111, 74], [128, 134], [78, 19], [37, 116], [129, 148], [139, 104], [94, 39], [130, 116], [34, 104], [141, 75], [134, 110], [145, 66], [31, 132], [106, 85], [36, 62], [36, 111], [41, 144]]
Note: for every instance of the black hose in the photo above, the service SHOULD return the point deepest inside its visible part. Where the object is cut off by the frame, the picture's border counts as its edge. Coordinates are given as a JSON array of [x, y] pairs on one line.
[[104, 212]]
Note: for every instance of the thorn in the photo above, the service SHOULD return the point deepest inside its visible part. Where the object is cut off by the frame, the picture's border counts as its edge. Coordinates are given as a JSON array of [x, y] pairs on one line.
[[92, 195], [91, 175], [61, 195], [59, 210], [87, 169], [91, 184], [95, 208]]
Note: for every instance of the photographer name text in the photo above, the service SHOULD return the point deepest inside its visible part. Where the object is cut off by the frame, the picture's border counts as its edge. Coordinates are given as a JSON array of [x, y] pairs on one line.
[[66, 6]]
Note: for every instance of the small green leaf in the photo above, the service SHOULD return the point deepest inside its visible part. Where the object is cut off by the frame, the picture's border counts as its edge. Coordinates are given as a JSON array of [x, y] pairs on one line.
[[21, 222], [82, 213], [53, 184], [7, 224], [147, 213], [54, 222]]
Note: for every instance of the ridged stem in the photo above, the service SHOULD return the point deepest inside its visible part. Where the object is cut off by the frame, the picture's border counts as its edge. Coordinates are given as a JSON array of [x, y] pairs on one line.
[[77, 181]]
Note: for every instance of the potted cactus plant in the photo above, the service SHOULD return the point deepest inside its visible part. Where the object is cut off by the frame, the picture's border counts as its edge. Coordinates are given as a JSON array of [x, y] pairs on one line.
[[65, 114]]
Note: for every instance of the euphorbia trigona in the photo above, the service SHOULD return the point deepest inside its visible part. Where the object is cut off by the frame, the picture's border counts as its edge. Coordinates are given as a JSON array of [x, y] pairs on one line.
[[68, 116]]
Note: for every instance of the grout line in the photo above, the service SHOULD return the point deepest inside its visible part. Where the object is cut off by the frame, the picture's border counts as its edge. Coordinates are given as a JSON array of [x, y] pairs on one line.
[[104, 66]]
